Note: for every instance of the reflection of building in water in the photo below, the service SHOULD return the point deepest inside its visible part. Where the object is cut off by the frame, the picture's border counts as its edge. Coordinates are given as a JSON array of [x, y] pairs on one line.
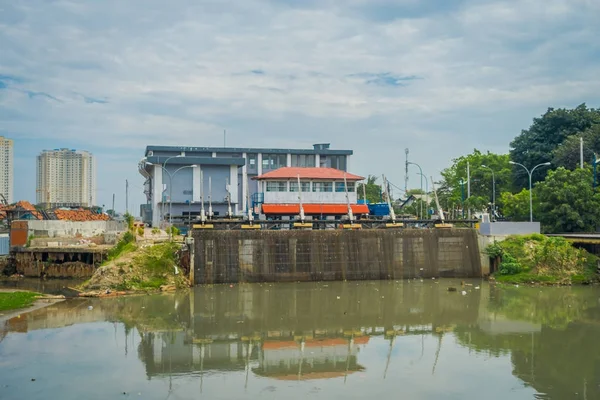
[[166, 353], [310, 359]]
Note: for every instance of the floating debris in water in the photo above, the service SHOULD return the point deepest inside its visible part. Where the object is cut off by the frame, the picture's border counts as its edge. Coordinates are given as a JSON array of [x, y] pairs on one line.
[[452, 289], [90, 308], [476, 287], [338, 297], [463, 292]]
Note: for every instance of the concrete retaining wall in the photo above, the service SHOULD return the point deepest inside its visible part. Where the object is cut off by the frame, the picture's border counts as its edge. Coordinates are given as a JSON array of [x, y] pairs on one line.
[[257, 256], [53, 229]]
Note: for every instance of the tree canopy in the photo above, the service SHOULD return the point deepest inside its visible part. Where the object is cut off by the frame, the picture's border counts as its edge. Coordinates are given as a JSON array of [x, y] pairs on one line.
[[568, 202], [537, 144], [453, 188], [372, 190]]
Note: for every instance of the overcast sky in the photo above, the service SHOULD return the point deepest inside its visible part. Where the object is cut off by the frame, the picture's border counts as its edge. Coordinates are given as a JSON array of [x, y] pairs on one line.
[[440, 77]]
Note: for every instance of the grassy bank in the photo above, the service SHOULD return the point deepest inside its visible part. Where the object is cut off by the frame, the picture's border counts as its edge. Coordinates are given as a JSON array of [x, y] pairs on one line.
[[540, 259], [16, 300], [130, 267]]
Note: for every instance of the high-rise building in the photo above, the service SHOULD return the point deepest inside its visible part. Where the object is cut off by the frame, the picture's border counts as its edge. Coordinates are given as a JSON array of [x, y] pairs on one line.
[[66, 177], [6, 169]]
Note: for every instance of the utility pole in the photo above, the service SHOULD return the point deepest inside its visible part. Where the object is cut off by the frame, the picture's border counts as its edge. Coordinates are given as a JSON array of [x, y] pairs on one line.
[[224, 138], [469, 185], [126, 196], [581, 152], [406, 172]]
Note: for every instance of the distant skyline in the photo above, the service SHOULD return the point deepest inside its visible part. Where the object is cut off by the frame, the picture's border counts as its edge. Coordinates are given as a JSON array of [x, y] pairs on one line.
[[376, 76]]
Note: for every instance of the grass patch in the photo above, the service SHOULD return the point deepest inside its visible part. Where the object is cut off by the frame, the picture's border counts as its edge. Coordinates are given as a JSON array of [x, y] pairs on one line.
[[125, 245], [16, 300]]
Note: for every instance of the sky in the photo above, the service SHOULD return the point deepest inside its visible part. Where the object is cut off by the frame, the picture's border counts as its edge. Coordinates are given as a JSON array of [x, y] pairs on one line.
[[438, 77]]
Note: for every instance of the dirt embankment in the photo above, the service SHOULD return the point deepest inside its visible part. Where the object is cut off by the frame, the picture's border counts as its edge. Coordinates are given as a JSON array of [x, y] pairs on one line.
[[141, 268]]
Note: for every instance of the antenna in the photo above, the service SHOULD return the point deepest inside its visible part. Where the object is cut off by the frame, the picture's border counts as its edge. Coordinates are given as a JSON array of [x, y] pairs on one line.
[[224, 138]]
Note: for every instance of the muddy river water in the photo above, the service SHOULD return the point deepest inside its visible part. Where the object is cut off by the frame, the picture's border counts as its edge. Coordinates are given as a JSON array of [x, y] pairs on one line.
[[346, 340]]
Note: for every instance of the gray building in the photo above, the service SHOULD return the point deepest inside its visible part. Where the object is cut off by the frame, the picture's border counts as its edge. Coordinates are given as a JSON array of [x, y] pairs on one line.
[[174, 173]]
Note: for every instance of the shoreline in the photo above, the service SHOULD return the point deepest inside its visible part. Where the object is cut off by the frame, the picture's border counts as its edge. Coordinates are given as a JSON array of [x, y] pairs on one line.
[[42, 302]]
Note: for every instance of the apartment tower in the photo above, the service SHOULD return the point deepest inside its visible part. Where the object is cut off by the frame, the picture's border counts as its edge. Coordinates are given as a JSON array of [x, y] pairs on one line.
[[66, 178]]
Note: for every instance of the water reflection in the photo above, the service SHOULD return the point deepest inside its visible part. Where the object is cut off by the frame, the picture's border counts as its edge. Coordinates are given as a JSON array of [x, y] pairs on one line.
[[369, 337]]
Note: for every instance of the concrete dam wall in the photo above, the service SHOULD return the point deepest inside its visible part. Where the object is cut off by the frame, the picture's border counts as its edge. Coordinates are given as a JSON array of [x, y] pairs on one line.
[[313, 255]]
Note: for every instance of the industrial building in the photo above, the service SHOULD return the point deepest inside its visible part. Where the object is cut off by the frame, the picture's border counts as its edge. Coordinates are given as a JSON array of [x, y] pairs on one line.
[[66, 178], [6, 169], [174, 175]]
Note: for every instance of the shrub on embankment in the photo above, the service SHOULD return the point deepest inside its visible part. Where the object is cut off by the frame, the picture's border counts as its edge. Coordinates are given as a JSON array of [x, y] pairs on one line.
[[132, 268], [540, 259]]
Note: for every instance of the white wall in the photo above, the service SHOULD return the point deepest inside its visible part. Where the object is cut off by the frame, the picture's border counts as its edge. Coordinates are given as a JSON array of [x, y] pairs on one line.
[[309, 197], [72, 228]]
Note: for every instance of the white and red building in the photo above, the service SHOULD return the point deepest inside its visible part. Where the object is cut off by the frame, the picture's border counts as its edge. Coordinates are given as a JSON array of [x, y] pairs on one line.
[[324, 192]]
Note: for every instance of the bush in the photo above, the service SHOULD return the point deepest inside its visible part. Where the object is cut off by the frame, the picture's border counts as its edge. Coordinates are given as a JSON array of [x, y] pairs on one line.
[[175, 231], [125, 245], [509, 265], [140, 231], [155, 231]]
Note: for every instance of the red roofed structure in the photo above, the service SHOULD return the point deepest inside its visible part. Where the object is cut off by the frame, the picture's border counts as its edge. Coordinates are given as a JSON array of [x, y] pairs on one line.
[[322, 192]]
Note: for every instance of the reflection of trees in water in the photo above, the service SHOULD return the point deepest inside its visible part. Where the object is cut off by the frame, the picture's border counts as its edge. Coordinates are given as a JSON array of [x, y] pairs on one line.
[[553, 306], [562, 358]]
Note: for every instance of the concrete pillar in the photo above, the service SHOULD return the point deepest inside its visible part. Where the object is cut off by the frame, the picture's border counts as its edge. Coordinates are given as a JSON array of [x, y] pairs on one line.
[[259, 165], [157, 188], [244, 181], [317, 160], [196, 183], [233, 179], [289, 160]]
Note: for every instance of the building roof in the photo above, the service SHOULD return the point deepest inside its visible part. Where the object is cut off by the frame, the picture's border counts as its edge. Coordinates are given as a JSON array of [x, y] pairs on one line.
[[79, 215], [317, 149], [22, 205], [309, 173]]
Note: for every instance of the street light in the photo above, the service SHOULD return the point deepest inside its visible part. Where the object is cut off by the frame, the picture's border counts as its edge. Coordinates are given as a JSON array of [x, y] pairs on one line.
[[171, 175], [493, 189], [426, 193], [530, 191], [421, 173]]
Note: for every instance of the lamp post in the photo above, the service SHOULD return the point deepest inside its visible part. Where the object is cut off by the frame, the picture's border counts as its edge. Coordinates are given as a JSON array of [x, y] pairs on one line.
[[171, 175], [530, 191], [493, 189], [421, 173], [426, 193]]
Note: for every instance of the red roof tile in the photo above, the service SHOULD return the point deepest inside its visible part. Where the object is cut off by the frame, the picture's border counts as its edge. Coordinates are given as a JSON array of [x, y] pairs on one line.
[[309, 173]]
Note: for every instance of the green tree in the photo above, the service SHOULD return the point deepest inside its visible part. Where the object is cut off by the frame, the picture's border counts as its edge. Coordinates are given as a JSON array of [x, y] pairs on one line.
[[130, 221], [567, 201], [453, 188], [567, 154], [515, 207], [372, 189], [537, 144]]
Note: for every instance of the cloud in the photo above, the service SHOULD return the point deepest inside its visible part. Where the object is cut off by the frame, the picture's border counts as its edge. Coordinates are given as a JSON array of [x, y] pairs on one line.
[[438, 77]]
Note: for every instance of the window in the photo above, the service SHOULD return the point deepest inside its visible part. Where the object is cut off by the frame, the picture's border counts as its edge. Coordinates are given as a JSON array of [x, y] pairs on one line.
[[322, 186], [338, 162], [303, 160], [294, 186], [276, 186], [274, 161]]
